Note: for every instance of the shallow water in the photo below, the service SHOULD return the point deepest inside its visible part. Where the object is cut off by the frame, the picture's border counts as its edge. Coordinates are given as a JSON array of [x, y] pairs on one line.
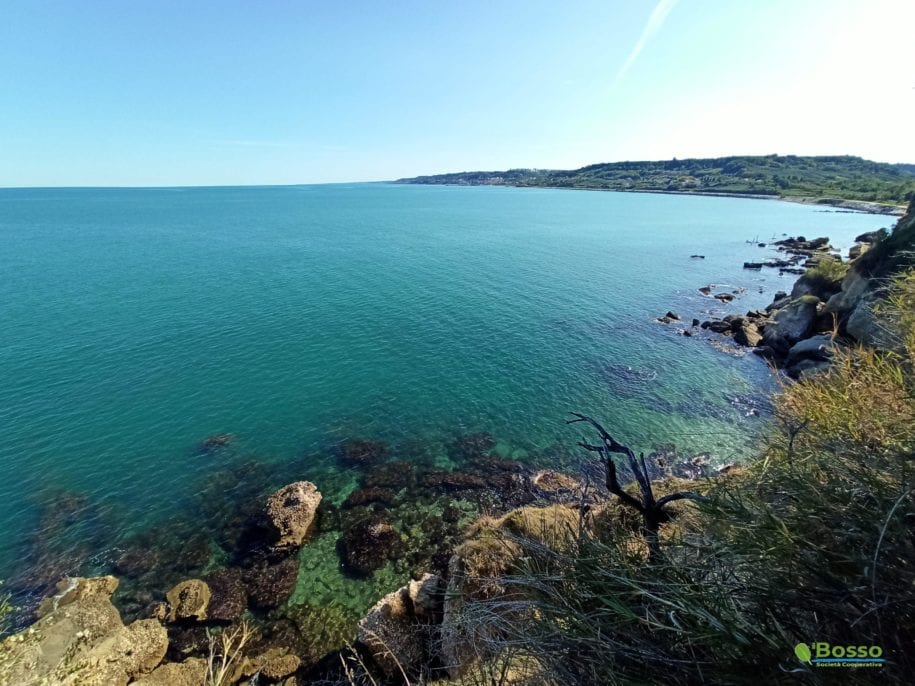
[[135, 323]]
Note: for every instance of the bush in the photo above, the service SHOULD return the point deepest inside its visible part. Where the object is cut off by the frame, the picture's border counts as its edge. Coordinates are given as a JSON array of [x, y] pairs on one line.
[[827, 275]]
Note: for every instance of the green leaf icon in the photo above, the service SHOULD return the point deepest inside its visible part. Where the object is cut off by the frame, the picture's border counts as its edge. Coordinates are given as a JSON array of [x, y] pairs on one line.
[[802, 650]]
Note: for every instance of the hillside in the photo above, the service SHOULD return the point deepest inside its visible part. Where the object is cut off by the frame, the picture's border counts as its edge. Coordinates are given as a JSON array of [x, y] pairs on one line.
[[791, 176]]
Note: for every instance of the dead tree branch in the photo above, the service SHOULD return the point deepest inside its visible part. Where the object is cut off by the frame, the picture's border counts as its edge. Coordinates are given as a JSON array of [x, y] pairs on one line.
[[651, 509]]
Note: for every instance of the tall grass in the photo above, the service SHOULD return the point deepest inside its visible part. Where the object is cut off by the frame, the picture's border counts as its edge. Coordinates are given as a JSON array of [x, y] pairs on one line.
[[225, 654], [6, 609]]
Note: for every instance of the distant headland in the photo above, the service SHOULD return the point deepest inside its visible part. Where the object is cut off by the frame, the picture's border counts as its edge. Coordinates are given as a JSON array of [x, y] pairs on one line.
[[849, 182]]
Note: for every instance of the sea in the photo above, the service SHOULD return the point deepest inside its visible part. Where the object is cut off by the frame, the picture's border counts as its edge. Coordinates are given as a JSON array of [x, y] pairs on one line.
[[137, 323]]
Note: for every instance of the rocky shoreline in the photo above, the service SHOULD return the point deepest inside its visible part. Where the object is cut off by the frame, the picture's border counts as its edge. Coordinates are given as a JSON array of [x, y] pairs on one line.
[[437, 524], [831, 305]]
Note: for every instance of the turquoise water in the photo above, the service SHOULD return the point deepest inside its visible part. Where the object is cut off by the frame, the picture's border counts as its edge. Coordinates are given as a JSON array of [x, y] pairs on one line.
[[135, 323]]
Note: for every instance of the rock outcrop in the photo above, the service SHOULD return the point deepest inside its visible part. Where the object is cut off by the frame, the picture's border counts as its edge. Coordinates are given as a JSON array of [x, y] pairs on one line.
[[80, 640], [291, 511], [397, 631]]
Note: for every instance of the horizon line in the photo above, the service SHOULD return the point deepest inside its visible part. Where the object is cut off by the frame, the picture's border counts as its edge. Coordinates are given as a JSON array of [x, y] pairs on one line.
[[395, 180]]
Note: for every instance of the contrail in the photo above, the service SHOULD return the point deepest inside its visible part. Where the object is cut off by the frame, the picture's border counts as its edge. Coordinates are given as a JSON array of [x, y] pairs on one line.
[[655, 21]]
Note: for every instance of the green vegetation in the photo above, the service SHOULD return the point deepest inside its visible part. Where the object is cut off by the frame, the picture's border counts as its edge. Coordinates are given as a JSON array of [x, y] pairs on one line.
[[894, 253], [845, 177], [827, 275], [811, 543]]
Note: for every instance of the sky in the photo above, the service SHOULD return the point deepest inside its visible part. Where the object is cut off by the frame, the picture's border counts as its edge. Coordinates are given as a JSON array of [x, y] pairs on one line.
[[225, 92]]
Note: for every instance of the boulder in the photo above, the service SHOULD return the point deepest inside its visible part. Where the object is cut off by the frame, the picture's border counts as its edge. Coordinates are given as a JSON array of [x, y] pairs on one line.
[[427, 596], [853, 288], [815, 348], [188, 600], [291, 511], [274, 664], [855, 251], [551, 483], [791, 323], [748, 334], [717, 326], [724, 297], [821, 288], [392, 635], [778, 304], [806, 368], [80, 640], [871, 236], [672, 315], [764, 351], [361, 453], [866, 328]]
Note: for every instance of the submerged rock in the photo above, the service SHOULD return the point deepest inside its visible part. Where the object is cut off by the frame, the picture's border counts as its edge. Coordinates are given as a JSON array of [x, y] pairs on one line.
[[373, 495], [362, 453], [471, 446], [215, 442], [270, 585], [366, 543], [228, 595], [291, 511]]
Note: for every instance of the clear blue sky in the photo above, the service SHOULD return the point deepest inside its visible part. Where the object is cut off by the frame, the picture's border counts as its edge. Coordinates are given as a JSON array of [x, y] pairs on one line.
[[161, 92]]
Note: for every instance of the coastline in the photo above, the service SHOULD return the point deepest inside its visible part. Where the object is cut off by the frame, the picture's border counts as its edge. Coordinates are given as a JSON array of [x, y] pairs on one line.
[[864, 206]]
